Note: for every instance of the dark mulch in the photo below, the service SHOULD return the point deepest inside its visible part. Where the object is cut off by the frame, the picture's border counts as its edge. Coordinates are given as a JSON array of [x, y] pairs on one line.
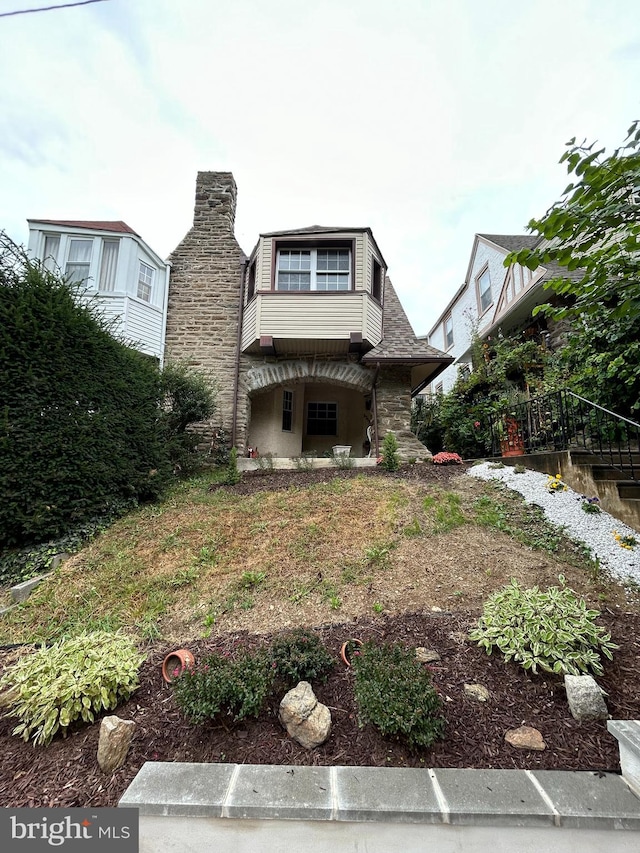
[[280, 479], [66, 772]]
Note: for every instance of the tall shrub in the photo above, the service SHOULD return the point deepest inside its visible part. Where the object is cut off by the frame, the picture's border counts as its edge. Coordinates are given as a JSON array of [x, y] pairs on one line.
[[80, 423]]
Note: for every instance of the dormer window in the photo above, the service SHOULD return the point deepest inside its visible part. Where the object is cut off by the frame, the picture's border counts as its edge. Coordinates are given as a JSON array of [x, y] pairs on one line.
[[313, 269]]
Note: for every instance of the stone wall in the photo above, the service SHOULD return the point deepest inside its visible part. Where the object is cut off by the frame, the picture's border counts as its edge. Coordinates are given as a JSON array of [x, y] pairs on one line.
[[393, 401], [204, 292]]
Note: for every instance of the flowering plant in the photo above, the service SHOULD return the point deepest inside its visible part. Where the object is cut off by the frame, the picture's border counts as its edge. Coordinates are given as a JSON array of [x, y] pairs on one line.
[[555, 484], [445, 458], [627, 542], [590, 504]]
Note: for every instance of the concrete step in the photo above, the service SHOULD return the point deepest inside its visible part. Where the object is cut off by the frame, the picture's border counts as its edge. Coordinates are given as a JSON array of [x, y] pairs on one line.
[[606, 472], [629, 491]]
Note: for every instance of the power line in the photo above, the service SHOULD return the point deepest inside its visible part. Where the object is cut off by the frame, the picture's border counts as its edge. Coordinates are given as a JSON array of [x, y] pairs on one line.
[[48, 8]]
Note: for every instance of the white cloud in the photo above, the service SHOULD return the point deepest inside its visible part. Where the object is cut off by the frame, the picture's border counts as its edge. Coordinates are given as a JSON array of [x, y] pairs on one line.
[[428, 121]]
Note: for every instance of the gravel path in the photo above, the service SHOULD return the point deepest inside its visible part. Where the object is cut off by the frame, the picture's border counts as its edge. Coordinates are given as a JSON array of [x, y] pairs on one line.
[[564, 508]]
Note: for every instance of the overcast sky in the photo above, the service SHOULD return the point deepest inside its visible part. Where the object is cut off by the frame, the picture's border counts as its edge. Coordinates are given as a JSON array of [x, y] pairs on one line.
[[427, 120]]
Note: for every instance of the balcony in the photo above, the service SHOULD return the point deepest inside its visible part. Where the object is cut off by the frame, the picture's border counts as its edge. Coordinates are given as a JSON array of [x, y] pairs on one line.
[[283, 323]]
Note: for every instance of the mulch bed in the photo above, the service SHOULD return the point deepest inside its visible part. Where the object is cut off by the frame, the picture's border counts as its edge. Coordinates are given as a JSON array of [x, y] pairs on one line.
[[66, 772]]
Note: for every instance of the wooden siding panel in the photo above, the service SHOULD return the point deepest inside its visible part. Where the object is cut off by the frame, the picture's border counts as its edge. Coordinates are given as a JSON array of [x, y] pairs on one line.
[[249, 323]]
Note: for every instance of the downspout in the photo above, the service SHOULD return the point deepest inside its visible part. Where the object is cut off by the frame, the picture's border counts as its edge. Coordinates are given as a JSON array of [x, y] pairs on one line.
[[236, 379], [165, 309], [374, 400]]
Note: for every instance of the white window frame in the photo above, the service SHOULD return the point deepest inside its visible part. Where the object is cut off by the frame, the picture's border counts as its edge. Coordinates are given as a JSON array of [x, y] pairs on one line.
[[315, 275], [86, 264], [448, 332], [482, 308], [146, 275], [50, 253]]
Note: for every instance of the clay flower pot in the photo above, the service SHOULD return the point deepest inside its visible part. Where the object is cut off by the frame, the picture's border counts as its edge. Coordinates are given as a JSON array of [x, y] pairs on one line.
[[348, 648], [176, 663]]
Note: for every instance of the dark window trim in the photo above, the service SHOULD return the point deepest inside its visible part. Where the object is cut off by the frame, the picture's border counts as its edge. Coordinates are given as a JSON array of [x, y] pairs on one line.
[[306, 243], [287, 413], [326, 403], [482, 311]]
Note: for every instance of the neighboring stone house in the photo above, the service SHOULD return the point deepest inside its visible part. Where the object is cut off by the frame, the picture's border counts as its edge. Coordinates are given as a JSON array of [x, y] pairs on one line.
[[493, 300], [119, 272], [306, 339]]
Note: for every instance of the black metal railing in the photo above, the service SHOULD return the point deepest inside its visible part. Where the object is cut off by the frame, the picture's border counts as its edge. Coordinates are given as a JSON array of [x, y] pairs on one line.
[[563, 420]]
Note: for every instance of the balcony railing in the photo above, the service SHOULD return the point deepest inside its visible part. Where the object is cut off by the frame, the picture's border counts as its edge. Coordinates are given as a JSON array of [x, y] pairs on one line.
[[563, 420]]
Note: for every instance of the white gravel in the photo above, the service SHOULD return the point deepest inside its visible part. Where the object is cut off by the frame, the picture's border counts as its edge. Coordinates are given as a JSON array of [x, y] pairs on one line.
[[564, 509]]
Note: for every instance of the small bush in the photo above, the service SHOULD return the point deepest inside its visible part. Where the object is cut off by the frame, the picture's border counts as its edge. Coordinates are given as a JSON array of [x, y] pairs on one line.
[[390, 457], [299, 655], [265, 462], [231, 475], [219, 684], [394, 693], [551, 630], [519, 469], [445, 458], [70, 680], [304, 462]]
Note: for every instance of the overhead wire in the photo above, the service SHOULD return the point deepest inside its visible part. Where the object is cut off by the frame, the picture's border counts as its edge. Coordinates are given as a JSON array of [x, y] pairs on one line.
[[49, 8]]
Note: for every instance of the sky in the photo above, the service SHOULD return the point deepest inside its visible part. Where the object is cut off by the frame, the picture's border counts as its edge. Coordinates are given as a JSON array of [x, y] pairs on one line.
[[426, 120]]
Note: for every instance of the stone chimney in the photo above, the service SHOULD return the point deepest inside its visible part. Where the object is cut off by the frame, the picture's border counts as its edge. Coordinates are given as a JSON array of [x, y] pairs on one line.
[[204, 293], [215, 206]]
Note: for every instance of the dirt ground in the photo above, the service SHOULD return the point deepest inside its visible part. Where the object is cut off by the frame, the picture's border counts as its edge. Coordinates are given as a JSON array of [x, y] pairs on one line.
[[429, 596]]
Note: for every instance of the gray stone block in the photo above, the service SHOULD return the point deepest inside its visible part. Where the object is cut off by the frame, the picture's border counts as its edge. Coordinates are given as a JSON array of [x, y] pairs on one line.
[[588, 800], [22, 591], [398, 794], [172, 788], [585, 698], [492, 798], [284, 792]]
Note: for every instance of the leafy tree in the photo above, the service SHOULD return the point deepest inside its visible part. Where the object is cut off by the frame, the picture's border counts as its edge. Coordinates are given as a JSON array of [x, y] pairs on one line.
[[593, 233]]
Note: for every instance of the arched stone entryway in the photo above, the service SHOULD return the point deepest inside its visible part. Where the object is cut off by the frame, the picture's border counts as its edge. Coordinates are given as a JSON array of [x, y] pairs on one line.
[[309, 406]]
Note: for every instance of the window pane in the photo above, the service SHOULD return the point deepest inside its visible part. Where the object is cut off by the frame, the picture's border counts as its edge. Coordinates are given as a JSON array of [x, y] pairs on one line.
[[145, 282], [484, 287], [77, 273], [109, 265], [80, 251], [287, 410], [294, 281], [51, 249], [333, 259], [293, 259], [332, 281], [322, 418]]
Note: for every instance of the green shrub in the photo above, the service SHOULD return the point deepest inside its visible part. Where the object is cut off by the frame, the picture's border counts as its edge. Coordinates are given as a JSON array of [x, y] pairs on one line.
[[188, 398], [72, 679], [551, 630], [394, 693], [299, 655], [238, 687], [80, 425], [265, 462], [390, 457], [231, 475]]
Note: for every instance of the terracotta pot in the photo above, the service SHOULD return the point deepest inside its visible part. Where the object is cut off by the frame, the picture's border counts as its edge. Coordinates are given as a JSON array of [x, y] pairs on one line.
[[344, 649], [175, 664]]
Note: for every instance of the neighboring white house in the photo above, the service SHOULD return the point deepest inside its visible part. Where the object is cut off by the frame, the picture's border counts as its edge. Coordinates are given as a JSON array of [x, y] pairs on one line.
[[119, 270], [493, 299]]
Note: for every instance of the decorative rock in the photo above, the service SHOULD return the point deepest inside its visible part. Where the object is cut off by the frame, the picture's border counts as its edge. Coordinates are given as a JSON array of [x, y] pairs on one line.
[[113, 743], [306, 720], [477, 692], [426, 655], [525, 737], [585, 698]]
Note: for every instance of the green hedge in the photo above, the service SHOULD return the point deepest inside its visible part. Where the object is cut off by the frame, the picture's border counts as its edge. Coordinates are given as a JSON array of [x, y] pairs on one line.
[[80, 424]]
